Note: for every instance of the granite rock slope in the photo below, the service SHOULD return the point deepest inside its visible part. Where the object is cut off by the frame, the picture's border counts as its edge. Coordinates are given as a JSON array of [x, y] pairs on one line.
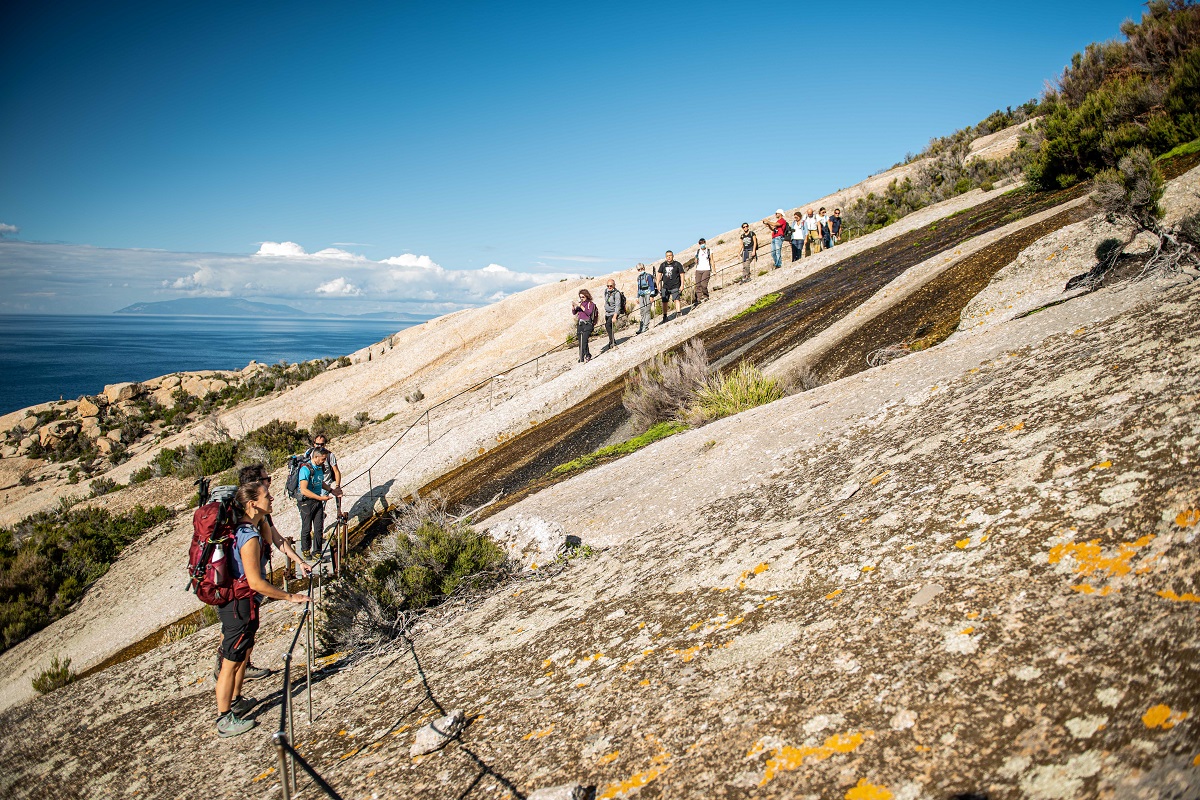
[[987, 582]]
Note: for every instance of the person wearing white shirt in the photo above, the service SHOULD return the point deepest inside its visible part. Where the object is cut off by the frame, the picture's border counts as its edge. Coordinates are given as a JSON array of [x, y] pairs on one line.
[[812, 235], [703, 273]]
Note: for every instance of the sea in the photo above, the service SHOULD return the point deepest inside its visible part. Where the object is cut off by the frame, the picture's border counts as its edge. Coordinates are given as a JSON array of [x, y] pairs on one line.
[[51, 357]]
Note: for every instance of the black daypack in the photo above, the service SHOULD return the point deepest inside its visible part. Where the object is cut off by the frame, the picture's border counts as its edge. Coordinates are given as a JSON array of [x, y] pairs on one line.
[[789, 231], [624, 302], [293, 479]]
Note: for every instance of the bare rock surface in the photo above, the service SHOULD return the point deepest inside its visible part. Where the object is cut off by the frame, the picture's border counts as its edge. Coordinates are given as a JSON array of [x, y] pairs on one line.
[[985, 582]]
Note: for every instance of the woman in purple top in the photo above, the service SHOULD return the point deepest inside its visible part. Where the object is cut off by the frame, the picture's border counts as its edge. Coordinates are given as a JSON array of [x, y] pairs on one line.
[[585, 321]]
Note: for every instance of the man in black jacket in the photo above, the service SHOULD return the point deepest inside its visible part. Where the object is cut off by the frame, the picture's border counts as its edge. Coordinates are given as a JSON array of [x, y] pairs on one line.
[[670, 283]]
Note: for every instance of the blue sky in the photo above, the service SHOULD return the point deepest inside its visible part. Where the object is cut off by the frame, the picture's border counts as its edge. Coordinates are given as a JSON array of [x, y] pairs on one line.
[[147, 151]]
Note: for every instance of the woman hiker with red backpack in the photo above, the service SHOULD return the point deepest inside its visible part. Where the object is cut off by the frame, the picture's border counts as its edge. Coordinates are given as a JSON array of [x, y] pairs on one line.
[[239, 617]]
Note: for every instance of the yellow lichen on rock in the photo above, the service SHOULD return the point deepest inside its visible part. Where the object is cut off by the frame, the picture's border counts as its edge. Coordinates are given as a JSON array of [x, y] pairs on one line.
[[1161, 716], [865, 790], [787, 759]]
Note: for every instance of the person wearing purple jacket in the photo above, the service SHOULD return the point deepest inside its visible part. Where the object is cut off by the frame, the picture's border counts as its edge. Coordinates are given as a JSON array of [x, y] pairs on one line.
[[585, 314]]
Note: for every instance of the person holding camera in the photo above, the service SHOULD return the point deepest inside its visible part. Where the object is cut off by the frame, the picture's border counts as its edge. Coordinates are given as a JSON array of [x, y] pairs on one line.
[[586, 315]]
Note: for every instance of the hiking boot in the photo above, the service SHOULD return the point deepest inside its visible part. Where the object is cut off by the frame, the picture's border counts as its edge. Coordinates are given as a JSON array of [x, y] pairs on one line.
[[254, 673], [230, 724], [243, 706]]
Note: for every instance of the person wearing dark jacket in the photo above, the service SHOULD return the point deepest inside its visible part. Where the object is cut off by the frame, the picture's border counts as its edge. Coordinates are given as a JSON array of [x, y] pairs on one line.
[[670, 283], [612, 308]]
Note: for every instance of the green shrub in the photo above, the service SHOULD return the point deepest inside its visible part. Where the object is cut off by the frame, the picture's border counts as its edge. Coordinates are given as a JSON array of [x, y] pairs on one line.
[[343, 361], [102, 486], [1108, 250], [426, 557], [142, 475], [729, 393], [279, 439], [58, 675], [213, 457], [330, 424], [48, 560], [1117, 96]]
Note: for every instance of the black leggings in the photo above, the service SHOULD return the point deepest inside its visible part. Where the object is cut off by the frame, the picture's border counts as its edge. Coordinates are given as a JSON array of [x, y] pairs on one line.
[[583, 330]]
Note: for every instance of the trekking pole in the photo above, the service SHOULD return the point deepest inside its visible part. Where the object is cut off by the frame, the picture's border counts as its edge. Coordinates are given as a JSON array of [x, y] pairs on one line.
[[428, 435]]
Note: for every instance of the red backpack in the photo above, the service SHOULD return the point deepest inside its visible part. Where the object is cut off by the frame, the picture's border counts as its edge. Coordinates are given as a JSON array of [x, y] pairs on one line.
[[214, 537]]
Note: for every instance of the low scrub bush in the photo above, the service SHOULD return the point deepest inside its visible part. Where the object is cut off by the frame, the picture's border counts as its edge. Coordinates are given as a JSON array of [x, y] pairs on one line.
[[279, 439], [660, 389], [427, 557], [729, 393], [56, 676], [180, 631], [103, 486], [48, 560]]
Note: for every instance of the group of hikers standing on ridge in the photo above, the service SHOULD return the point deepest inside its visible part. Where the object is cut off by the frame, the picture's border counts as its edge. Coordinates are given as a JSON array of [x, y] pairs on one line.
[[808, 235], [234, 572]]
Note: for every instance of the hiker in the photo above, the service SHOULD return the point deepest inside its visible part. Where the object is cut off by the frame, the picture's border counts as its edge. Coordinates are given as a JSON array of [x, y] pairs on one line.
[[703, 273], [257, 473], [749, 250], [239, 617], [314, 491], [647, 290], [797, 239], [670, 282], [778, 227], [585, 314], [321, 440], [612, 309], [812, 241], [835, 227], [823, 222]]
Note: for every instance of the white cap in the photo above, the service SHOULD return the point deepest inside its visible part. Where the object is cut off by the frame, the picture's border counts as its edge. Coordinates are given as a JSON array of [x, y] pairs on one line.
[[779, 211]]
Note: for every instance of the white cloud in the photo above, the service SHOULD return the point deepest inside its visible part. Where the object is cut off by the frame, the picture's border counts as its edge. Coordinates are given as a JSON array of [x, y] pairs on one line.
[[8, 230], [86, 279], [339, 286], [281, 249], [409, 260], [293, 250]]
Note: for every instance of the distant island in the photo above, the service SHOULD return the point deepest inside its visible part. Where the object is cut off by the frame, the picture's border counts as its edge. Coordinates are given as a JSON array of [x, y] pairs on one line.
[[236, 306]]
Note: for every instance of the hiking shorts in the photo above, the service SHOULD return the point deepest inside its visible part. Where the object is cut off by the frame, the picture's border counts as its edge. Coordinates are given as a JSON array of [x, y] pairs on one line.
[[670, 295], [239, 623]]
